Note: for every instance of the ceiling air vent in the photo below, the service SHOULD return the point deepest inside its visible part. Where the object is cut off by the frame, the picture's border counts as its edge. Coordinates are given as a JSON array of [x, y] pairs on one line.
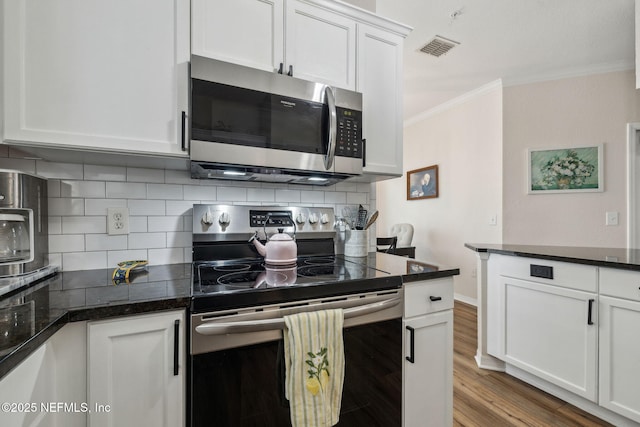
[[438, 46]]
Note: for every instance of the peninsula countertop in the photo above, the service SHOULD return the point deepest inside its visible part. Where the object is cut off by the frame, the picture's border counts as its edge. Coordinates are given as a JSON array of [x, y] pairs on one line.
[[621, 258]]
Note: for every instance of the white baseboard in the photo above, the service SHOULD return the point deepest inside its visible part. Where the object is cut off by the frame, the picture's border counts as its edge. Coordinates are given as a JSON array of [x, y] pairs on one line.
[[466, 299]]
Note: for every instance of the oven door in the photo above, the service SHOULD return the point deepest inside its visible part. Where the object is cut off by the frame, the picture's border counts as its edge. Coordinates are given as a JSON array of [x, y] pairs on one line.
[[243, 383]]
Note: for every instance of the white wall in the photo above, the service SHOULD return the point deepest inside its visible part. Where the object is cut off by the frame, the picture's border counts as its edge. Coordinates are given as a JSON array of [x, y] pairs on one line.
[[464, 138], [160, 207], [578, 111]]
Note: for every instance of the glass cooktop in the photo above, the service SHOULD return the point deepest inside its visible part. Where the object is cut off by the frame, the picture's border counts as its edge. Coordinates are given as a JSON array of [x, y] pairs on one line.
[[238, 283]]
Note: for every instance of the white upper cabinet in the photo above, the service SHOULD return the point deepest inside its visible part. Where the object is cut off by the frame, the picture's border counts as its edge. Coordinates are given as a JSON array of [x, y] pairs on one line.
[[245, 32], [380, 81], [100, 75], [308, 41], [320, 45]]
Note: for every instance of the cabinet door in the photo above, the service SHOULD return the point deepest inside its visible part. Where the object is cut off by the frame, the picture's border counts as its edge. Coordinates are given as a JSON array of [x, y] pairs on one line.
[[100, 75], [428, 378], [55, 372], [245, 32], [131, 365], [380, 81], [551, 332], [320, 46], [620, 356]]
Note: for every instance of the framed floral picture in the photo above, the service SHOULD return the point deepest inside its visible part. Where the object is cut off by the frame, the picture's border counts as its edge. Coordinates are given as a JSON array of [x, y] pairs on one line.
[[422, 183], [565, 170]]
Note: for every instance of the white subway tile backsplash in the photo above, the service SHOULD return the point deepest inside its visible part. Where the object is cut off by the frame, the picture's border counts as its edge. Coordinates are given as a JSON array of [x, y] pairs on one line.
[[84, 260], [160, 206], [137, 224], [126, 190], [59, 170], [312, 197], [115, 257], [261, 195], [164, 191], [292, 196], [100, 206], [94, 189], [65, 206], [204, 193], [357, 198], [105, 242], [146, 207], [145, 175], [180, 239], [55, 225], [164, 223], [104, 173], [179, 177], [232, 194], [180, 207], [84, 224], [166, 256], [335, 197], [66, 243], [147, 240], [22, 165]]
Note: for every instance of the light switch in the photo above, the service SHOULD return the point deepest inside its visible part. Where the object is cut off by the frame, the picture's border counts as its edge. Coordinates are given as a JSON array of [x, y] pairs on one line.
[[612, 218]]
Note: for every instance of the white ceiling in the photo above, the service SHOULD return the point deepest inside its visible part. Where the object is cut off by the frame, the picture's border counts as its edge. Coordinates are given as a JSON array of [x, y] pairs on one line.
[[517, 41]]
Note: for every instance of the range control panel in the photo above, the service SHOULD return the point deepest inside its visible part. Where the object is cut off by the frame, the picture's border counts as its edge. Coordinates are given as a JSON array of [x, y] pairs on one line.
[[257, 218], [231, 222]]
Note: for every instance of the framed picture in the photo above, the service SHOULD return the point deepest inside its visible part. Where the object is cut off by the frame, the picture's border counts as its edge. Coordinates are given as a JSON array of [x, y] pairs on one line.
[[565, 170], [420, 267], [422, 183]]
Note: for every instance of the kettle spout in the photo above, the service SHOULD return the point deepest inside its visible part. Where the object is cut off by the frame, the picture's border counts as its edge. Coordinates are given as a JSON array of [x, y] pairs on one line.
[[259, 246]]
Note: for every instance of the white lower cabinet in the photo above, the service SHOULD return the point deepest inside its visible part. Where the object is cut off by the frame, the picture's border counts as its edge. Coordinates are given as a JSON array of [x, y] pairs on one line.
[[428, 354], [48, 389], [619, 318], [550, 332], [136, 370]]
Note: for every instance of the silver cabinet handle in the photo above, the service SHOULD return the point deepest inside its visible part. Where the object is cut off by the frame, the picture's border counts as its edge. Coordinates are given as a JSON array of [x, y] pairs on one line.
[[278, 322], [333, 128]]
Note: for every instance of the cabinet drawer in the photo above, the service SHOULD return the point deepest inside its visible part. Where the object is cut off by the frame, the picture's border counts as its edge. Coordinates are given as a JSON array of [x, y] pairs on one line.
[[568, 275], [620, 283], [428, 297]]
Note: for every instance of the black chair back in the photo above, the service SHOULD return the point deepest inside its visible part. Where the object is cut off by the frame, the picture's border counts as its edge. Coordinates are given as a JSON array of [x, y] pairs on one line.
[[391, 242]]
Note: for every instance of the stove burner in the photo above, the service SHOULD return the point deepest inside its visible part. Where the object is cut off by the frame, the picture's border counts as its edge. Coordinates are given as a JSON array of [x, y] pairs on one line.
[[239, 280], [232, 267], [320, 261]]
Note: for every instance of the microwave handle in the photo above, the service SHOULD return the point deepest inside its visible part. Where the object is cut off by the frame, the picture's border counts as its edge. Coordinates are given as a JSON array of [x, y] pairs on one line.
[[333, 128]]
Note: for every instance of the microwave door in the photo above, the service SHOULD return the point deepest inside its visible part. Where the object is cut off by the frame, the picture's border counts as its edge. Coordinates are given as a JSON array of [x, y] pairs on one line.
[[332, 129]]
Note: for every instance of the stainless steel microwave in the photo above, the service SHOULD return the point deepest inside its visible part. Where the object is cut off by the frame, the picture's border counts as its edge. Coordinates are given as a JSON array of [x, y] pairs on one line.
[[252, 125]]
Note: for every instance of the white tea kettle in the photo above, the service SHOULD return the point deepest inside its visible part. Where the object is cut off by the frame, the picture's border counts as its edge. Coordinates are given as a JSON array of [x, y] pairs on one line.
[[280, 248]]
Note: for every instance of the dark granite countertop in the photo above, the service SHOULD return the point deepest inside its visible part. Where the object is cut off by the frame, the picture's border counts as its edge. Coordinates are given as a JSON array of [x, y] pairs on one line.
[[410, 269], [621, 258], [30, 316]]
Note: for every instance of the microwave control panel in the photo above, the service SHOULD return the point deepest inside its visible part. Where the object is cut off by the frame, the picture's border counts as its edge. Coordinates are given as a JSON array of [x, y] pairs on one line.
[[349, 134]]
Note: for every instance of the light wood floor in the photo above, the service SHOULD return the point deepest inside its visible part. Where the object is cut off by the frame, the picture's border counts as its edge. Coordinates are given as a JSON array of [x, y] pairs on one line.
[[487, 398]]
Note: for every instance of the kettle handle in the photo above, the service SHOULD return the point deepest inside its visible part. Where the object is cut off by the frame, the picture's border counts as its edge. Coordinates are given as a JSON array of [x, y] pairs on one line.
[[269, 215]]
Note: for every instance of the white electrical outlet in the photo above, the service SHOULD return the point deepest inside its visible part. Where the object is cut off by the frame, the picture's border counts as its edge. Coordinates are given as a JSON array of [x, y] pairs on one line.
[[117, 220]]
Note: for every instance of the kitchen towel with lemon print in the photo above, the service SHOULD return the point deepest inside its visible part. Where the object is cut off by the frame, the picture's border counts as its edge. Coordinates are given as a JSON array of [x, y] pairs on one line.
[[314, 363]]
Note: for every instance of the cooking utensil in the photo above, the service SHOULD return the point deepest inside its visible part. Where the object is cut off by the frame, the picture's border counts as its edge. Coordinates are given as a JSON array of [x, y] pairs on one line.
[[371, 220], [362, 218]]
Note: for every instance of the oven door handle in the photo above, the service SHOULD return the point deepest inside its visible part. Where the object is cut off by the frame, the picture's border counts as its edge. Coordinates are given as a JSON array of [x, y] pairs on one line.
[[222, 328]]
